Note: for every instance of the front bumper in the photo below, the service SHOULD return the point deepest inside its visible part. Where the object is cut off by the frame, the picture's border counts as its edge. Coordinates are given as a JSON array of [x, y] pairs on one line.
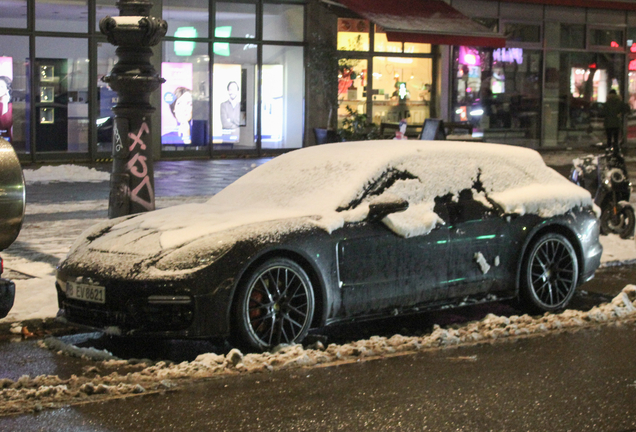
[[7, 296], [135, 310]]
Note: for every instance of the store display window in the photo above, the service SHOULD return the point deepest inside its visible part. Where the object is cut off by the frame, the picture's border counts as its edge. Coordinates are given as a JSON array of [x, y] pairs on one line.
[[234, 98], [192, 16], [185, 96], [107, 98], [283, 22], [236, 20], [13, 14], [14, 91], [353, 34], [104, 8], [61, 15], [606, 38], [281, 97], [61, 96], [352, 86], [382, 44], [401, 90], [576, 87], [498, 91]]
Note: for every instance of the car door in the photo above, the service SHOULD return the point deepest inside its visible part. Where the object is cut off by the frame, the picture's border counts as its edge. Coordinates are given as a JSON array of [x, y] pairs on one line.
[[477, 237], [423, 267], [368, 268]]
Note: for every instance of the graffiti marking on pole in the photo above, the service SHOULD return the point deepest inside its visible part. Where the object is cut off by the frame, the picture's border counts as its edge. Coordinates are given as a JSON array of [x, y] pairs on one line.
[[138, 168]]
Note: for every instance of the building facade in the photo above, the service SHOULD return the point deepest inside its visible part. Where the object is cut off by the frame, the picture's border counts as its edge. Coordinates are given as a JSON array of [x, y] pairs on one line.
[[240, 78]]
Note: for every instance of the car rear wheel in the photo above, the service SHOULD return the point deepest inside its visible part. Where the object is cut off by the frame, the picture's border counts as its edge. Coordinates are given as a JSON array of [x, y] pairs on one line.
[[550, 274], [275, 305]]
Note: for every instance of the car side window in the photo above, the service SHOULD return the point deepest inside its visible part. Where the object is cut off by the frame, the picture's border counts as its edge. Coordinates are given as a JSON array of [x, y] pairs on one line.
[[462, 209]]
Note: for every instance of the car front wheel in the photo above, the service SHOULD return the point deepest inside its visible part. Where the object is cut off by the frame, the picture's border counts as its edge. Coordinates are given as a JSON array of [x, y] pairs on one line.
[[550, 274], [275, 305]]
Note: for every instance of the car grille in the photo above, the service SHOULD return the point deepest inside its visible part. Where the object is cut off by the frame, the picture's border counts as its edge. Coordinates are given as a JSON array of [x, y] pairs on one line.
[[129, 313]]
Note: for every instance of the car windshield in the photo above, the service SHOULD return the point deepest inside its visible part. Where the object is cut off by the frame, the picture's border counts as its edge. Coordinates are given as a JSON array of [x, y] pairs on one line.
[[313, 180]]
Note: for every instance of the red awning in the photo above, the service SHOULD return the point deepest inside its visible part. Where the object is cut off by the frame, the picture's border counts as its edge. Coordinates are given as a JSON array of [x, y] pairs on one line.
[[425, 21]]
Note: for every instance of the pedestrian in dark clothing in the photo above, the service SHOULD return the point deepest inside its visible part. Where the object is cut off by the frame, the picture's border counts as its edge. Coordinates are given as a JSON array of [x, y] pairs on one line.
[[613, 109]]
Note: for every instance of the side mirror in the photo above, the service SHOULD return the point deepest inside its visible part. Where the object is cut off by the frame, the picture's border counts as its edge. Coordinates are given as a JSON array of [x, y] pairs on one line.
[[379, 209]]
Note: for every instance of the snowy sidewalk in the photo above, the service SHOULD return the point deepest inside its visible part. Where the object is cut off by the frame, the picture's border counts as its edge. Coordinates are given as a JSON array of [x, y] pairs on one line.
[[50, 230]]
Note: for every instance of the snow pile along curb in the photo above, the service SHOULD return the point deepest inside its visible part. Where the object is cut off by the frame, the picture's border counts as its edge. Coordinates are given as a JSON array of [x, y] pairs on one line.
[[33, 394]]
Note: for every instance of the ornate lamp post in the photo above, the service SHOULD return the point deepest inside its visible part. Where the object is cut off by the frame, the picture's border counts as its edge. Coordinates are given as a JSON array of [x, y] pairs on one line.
[[133, 78]]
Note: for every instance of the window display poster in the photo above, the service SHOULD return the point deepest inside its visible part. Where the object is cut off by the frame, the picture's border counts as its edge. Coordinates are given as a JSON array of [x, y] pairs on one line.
[[6, 106], [176, 103], [227, 116]]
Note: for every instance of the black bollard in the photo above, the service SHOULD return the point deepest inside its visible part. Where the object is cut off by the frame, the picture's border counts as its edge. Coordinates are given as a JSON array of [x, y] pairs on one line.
[[133, 78]]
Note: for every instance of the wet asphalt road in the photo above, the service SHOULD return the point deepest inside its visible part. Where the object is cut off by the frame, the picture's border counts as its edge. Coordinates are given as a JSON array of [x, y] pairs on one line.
[[581, 381], [573, 381]]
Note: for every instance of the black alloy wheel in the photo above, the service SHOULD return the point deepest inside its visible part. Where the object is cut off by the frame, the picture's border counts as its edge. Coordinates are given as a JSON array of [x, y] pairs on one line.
[[275, 306], [549, 274]]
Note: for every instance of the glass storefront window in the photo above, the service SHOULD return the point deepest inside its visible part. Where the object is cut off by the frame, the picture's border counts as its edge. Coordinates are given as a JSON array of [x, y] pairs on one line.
[[559, 35], [607, 38], [282, 91], [576, 88], [185, 96], [104, 8], [381, 43], [61, 96], [14, 94], [61, 15], [237, 20], [186, 19], [521, 32], [106, 96], [417, 48], [631, 95], [353, 34], [352, 87], [401, 89], [234, 96], [631, 39], [498, 91], [13, 14], [283, 22]]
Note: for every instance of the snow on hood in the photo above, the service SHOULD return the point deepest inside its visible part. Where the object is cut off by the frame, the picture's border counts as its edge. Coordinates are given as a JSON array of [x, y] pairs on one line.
[[331, 183]]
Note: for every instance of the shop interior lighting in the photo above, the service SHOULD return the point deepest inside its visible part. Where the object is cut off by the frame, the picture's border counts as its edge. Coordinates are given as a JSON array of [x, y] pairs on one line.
[[184, 48], [222, 48]]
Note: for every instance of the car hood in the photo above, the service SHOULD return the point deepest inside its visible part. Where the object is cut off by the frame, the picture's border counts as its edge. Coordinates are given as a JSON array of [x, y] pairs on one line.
[[177, 240]]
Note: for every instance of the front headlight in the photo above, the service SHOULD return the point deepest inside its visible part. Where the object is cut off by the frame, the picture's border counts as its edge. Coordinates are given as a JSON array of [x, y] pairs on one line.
[[194, 255]]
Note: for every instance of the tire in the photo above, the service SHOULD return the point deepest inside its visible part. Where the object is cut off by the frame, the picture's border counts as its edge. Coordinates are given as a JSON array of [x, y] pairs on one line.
[[622, 223], [275, 306], [549, 274]]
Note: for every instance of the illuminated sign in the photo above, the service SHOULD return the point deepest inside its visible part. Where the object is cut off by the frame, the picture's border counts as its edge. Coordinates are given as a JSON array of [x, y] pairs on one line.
[[508, 55], [222, 48], [469, 56], [184, 48]]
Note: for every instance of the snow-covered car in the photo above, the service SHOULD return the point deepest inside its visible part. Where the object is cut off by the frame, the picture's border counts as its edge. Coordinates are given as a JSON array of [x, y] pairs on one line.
[[338, 232], [12, 202]]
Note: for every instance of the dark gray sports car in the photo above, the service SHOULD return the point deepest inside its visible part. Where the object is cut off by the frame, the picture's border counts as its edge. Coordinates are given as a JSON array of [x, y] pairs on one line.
[[338, 232]]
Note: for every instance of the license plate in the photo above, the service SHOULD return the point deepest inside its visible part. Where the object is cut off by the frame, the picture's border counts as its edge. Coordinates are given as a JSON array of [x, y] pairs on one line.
[[85, 292]]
